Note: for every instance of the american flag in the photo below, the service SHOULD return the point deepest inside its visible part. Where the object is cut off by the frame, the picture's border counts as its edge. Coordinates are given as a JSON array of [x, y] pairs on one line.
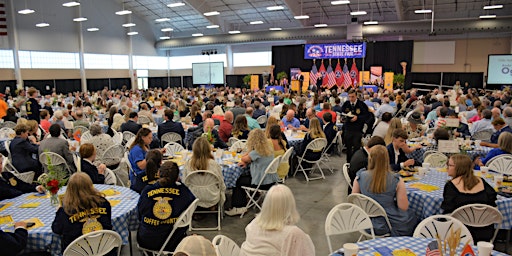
[[433, 249], [313, 75], [347, 80], [3, 19], [331, 77]]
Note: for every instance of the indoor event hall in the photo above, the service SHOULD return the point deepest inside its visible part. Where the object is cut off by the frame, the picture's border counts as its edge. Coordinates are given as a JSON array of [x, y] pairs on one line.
[[255, 127]]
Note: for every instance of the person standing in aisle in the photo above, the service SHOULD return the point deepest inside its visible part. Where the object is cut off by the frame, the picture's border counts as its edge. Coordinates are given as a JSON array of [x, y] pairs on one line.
[[355, 112]]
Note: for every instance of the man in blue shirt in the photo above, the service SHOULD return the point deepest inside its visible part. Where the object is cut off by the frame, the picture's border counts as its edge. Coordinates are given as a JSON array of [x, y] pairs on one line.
[[500, 126], [289, 121]]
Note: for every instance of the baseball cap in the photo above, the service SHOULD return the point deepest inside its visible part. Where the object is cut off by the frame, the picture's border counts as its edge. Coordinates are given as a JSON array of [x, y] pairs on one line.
[[195, 245]]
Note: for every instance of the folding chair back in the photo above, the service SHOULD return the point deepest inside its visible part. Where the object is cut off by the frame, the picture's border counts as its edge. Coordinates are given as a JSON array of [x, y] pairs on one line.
[[86, 135], [9, 124], [224, 246], [479, 215], [205, 182], [56, 160], [262, 120], [95, 243], [346, 167], [112, 155], [436, 160], [484, 135], [240, 145], [170, 137], [172, 148], [110, 177], [501, 164], [438, 226], [232, 140], [144, 120], [316, 145], [371, 207], [127, 136], [118, 138]]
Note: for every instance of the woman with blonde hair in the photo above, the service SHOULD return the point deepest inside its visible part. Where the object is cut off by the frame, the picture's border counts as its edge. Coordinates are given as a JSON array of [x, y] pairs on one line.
[[84, 209], [315, 132], [203, 160], [35, 130], [280, 147], [260, 154], [274, 230], [388, 189], [394, 124], [240, 128], [271, 121], [466, 188], [504, 147]]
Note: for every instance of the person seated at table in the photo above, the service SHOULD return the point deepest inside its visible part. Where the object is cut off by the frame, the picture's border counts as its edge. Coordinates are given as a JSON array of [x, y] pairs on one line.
[[397, 150], [439, 134], [10, 115], [146, 111], [271, 121], [79, 120], [207, 127], [195, 245], [382, 125], [35, 131], [260, 154], [326, 108], [12, 243], [154, 159], [58, 146], [84, 210], [315, 132], [388, 189], [360, 158], [195, 114], [137, 157], [22, 151], [240, 128], [414, 126], [310, 114], [159, 206], [466, 188], [289, 121], [274, 230], [203, 160], [504, 147], [226, 127], [500, 127], [484, 124], [45, 120], [280, 147], [251, 122], [463, 129], [170, 126], [88, 155], [11, 186], [394, 124], [131, 125], [100, 140], [330, 129]]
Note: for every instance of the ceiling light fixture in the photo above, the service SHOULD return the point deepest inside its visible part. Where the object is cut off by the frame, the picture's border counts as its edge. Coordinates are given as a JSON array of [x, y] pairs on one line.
[[234, 32], [301, 17], [340, 2], [371, 22], [275, 29], [79, 19], [127, 25], [212, 26], [166, 29], [26, 11], [492, 7], [423, 11], [71, 4], [211, 13], [488, 16], [93, 29], [165, 37], [42, 25], [256, 22], [123, 12], [357, 13], [175, 5], [162, 19], [275, 8], [197, 34], [132, 33], [322, 25]]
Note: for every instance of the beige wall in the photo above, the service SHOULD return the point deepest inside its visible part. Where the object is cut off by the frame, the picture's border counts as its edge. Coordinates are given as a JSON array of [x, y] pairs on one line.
[[473, 53]]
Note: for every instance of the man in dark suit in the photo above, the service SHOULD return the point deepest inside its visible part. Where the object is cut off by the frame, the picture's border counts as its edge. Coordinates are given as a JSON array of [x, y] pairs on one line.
[[58, 145], [330, 128], [131, 125], [397, 157], [22, 150], [357, 112], [170, 126], [14, 243], [360, 158], [11, 186]]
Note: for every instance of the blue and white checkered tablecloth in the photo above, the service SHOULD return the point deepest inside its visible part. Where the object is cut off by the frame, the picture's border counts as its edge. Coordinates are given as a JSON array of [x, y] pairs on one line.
[[124, 217], [480, 151], [417, 245], [426, 204], [295, 140]]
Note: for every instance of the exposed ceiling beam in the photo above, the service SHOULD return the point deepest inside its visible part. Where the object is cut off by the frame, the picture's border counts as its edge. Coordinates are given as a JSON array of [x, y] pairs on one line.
[[296, 9], [399, 8], [201, 6]]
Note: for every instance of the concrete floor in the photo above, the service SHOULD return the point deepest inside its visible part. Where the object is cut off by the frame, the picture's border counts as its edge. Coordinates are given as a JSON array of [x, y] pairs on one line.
[[314, 201]]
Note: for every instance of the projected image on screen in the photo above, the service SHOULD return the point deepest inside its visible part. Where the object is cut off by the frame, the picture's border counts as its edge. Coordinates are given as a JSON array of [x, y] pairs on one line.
[[208, 73], [499, 69]]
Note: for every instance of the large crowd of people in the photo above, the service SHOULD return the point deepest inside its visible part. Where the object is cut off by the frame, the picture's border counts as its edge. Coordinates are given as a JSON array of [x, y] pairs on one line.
[[375, 126]]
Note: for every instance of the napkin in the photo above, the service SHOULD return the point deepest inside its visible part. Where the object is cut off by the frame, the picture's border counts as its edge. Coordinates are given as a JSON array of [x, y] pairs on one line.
[[114, 202], [110, 192], [4, 206], [300, 135], [179, 162], [411, 178], [6, 219], [424, 187], [384, 251], [38, 196], [30, 205], [489, 176]]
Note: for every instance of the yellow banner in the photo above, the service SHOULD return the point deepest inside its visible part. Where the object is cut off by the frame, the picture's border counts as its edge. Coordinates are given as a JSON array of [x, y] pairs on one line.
[[364, 77], [388, 80], [295, 85], [255, 83]]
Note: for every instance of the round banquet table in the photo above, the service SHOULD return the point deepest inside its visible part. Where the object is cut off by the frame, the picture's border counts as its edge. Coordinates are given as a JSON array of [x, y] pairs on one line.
[[476, 151], [416, 245], [426, 203], [124, 216]]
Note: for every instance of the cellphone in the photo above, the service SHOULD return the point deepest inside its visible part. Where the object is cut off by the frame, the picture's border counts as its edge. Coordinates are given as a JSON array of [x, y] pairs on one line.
[[30, 224]]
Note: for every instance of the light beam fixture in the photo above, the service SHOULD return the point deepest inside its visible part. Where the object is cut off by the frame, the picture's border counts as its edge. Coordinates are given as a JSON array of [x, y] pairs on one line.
[[127, 25], [275, 8], [178, 4], [93, 29], [71, 4], [492, 7], [212, 26], [211, 13], [166, 29], [132, 33], [340, 2], [162, 20], [79, 19], [197, 34]]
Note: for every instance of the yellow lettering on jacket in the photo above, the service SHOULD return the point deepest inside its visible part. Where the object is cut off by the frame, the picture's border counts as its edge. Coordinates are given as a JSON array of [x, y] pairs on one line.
[[173, 191], [80, 215]]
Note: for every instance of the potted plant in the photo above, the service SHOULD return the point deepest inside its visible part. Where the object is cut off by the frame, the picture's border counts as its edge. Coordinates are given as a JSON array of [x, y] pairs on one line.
[[281, 75], [398, 79], [247, 80]]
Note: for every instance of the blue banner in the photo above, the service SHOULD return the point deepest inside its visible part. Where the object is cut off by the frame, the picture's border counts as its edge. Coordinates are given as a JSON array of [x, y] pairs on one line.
[[335, 51]]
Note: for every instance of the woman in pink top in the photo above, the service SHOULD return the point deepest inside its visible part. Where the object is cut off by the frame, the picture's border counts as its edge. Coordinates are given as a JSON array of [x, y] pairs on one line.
[[45, 123], [478, 115]]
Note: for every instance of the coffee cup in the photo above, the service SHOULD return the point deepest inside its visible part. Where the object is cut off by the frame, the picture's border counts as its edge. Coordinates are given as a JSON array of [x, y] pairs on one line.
[[498, 180], [426, 166], [484, 170], [422, 171], [351, 249], [484, 248]]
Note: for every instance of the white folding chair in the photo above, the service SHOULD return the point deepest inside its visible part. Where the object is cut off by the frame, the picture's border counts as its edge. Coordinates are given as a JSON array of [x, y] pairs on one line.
[[346, 168], [501, 164], [127, 136], [111, 156], [170, 137], [122, 172], [479, 215], [484, 135], [224, 246], [8, 131], [216, 127], [85, 137], [438, 226], [346, 218], [255, 194], [428, 152], [27, 177], [325, 153], [9, 124], [372, 208], [118, 138], [55, 159], [238, 146], [80, 128], [172, 147], [7, 145], [232, 140], [262, 120], [205, 182], [129, 143], [436, 159], [316, 145], [110, 177], [144, 120], [95, 243], [285, 158], [183, 220]]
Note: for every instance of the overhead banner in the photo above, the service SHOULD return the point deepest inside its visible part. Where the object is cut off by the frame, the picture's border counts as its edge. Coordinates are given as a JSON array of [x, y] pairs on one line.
[[335, 51]]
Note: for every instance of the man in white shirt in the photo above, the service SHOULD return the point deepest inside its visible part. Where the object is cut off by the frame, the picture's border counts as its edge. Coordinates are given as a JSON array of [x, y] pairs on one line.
[[382, 126], [385, 107], [483, 124]]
